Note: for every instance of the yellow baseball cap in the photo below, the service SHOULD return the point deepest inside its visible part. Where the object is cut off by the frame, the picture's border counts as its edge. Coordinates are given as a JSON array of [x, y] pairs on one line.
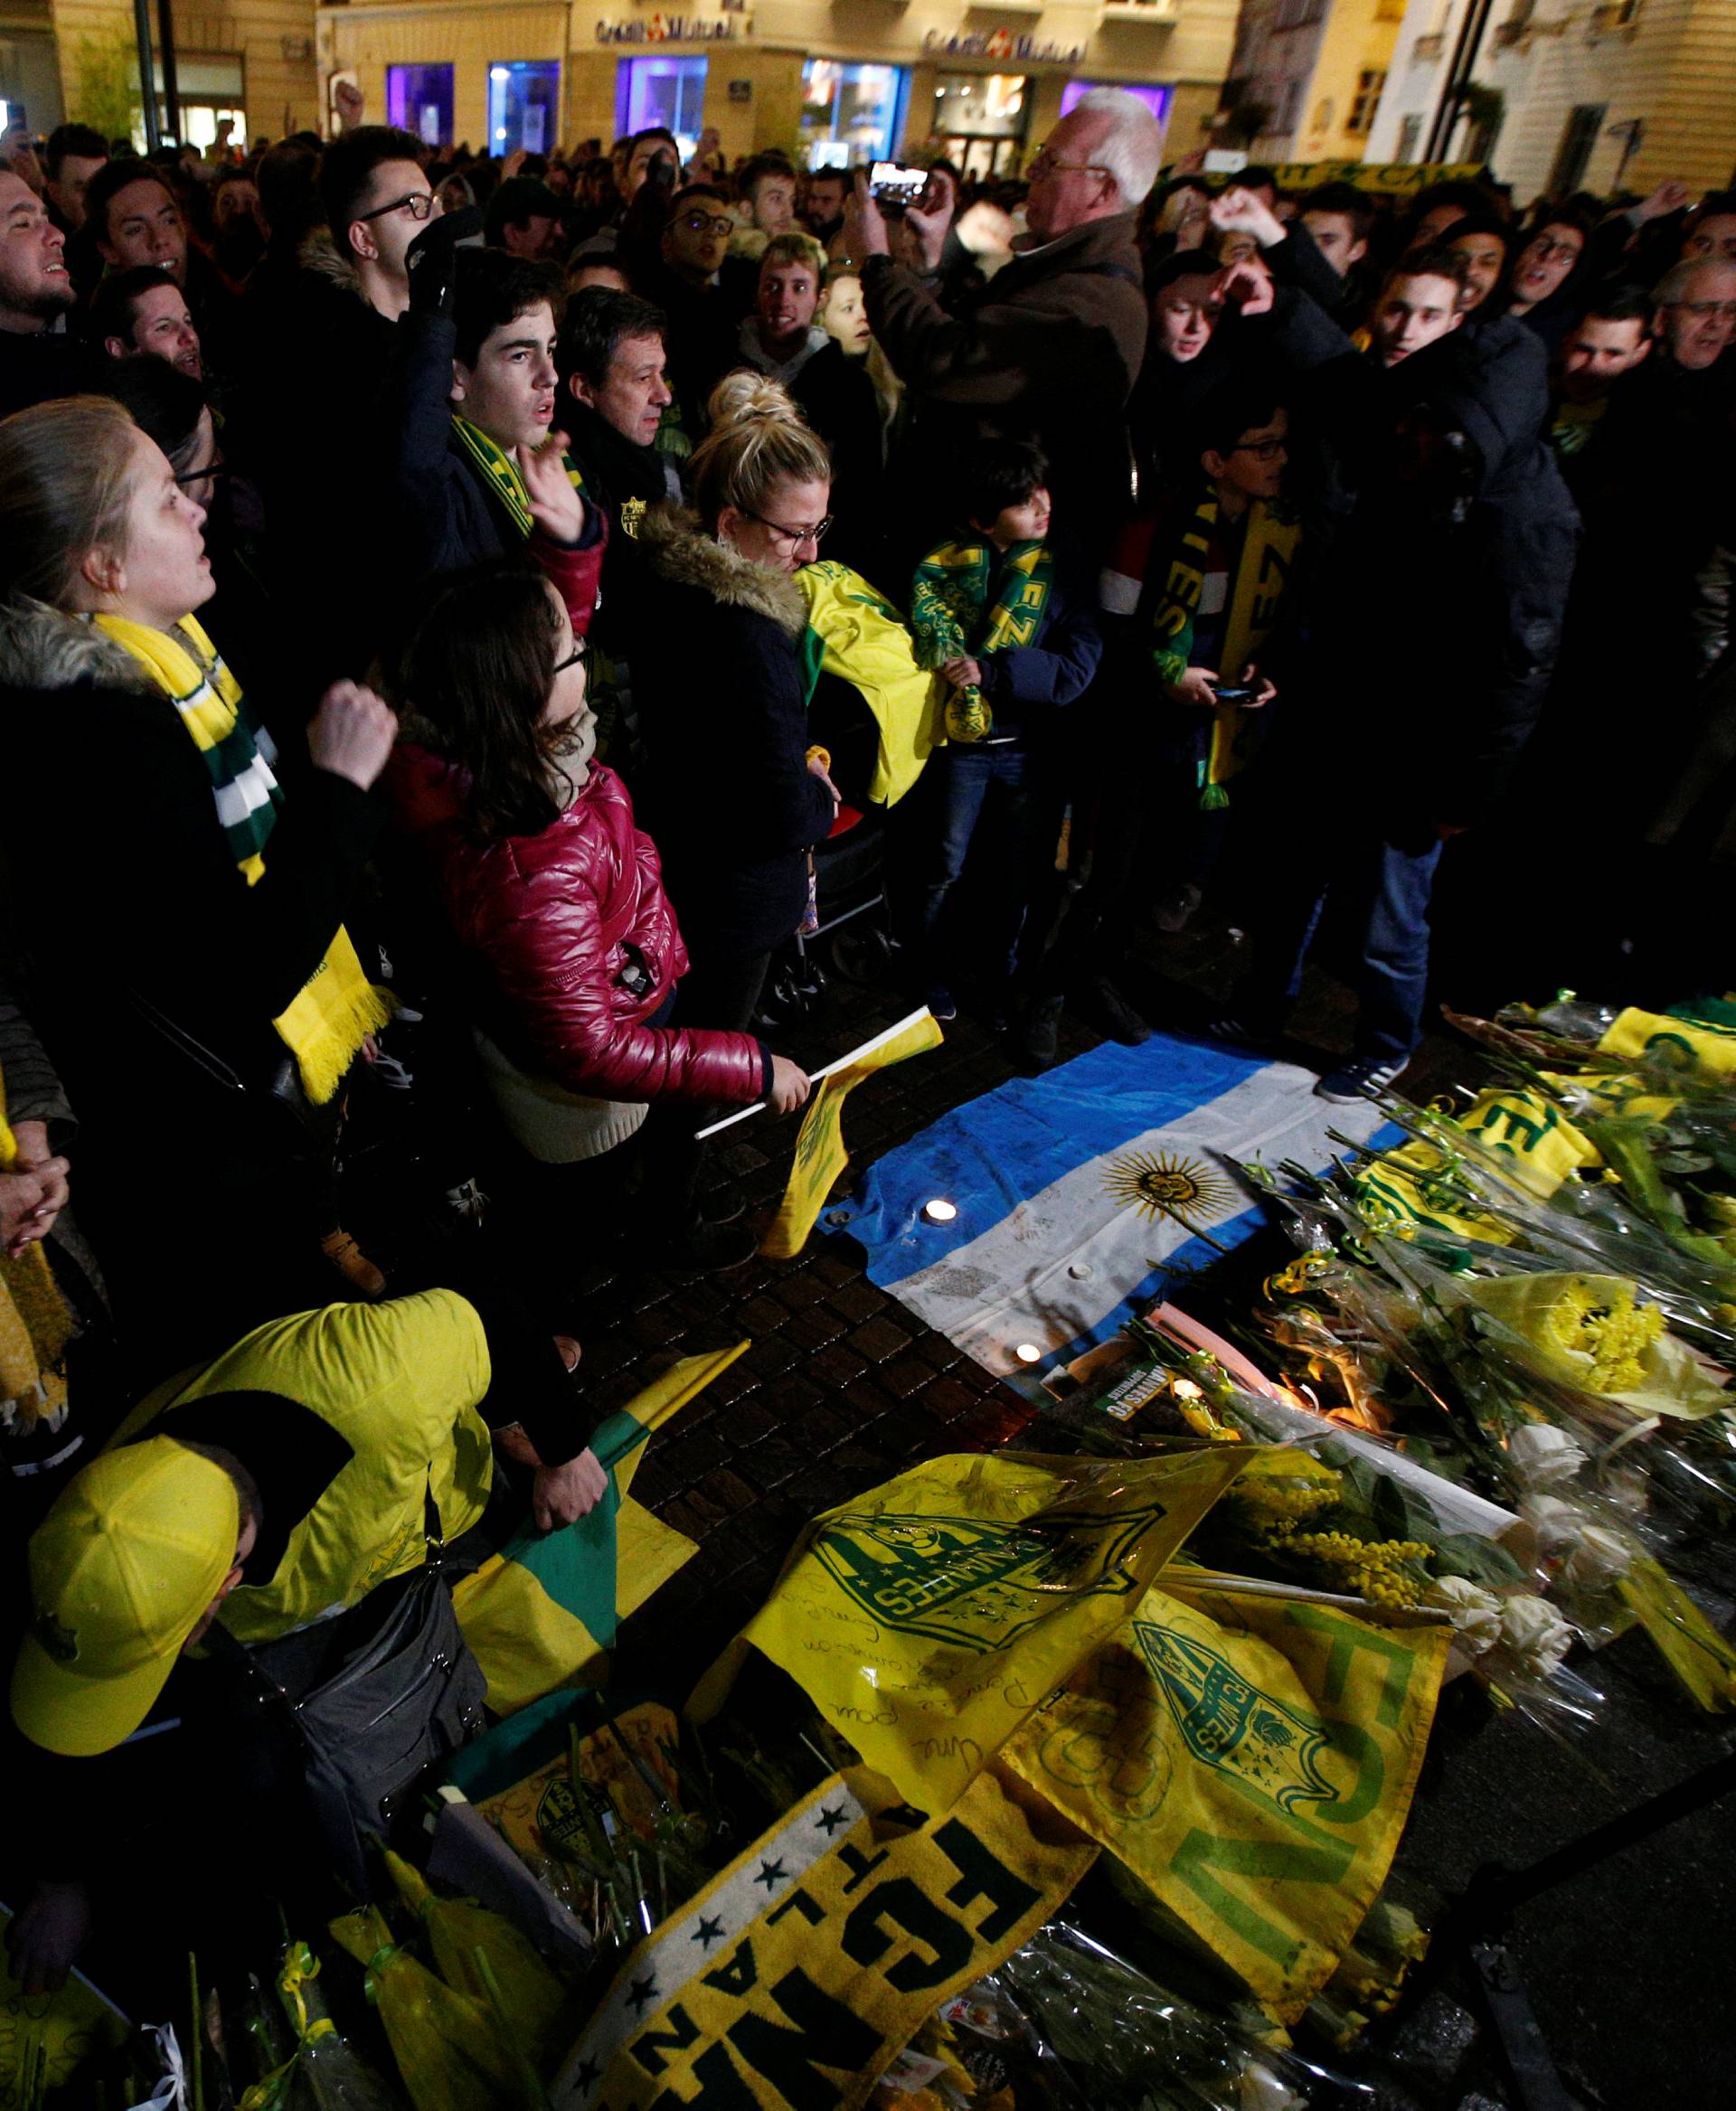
[[121, 1569]]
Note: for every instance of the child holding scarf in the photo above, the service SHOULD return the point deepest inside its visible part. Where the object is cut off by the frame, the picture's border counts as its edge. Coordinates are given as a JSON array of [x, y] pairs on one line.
[[1000, 612]]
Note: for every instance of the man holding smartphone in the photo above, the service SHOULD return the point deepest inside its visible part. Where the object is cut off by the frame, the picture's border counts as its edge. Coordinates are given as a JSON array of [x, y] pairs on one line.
[[1051, 347]]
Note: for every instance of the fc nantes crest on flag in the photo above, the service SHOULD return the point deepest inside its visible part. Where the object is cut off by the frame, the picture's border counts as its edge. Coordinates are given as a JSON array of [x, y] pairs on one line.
[[794, 1978], [540, 1614], [1252, 1761], [928, 1620]]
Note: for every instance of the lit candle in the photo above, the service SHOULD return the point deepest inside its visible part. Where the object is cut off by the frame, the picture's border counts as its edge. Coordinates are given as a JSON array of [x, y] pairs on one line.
[[939, 1211]]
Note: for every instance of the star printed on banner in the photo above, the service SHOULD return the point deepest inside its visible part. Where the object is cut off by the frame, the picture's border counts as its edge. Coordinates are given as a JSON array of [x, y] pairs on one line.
[[770, 1873], [641, 1991], [708, 1932], [587, 2075], [828, 1821]]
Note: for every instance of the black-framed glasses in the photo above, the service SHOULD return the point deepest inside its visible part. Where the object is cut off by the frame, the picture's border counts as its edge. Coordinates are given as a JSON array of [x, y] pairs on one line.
[[1262, 450], [575, 658], [422, 204], [210, 476], [797, 535], [703, 223], [1043, 162]]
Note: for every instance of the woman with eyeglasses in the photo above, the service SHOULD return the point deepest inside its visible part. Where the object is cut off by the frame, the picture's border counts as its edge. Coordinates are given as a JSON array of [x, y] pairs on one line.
[[568, 948], [731, 793], [183, 892]]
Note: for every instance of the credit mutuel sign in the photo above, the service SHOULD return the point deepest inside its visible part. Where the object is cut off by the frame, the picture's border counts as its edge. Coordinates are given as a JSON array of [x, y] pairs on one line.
[[676, 29]]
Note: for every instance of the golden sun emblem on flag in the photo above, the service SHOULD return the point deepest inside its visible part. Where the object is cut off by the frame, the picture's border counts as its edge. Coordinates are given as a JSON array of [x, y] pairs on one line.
[[1160, 1184]]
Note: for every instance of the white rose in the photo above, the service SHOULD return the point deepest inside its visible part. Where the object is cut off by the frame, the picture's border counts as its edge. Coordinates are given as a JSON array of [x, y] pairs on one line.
[[1553, 1523], [1261, 2091], [1476, 1612], [1602, 1557], [1535, 1633], [1543, 1455]]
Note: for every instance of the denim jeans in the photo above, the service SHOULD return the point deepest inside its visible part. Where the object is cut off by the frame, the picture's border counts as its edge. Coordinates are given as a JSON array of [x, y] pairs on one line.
[[1384, 886], [983, 798]]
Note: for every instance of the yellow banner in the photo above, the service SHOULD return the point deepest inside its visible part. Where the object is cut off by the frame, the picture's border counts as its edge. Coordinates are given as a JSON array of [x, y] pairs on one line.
[[928, 1619], [1390, 178], [797, 1976], [820, 1154], [1250, 1760]]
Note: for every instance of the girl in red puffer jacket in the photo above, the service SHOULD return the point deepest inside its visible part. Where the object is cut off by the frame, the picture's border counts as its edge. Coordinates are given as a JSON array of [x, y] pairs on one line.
[[552, 893]]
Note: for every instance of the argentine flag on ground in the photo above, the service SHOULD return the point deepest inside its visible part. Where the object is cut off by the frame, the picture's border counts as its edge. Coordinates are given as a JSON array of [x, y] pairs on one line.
[[1080, 1193]]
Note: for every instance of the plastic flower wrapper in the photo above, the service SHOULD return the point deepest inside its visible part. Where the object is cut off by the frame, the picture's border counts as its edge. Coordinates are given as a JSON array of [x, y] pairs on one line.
[[1371, 1974], [1121, 2042], [307, 2065], [447, 2046], [478, 1953]]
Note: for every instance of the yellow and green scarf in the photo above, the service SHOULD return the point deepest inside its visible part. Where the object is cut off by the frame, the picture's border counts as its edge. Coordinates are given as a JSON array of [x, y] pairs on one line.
[[951, 616], [36, 1324], [337, 1008], [1268, 551], [501, 472]]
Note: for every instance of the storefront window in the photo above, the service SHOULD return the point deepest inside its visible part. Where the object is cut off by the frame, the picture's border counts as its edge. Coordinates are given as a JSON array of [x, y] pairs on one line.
[[418, 100], [669, 92], [1155, 100], [982, 118], [851, 114], [524, 106]]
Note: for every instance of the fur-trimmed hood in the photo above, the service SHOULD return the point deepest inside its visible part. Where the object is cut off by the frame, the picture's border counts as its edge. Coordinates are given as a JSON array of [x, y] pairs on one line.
[[316, 252], [679, 550], [41, 649]]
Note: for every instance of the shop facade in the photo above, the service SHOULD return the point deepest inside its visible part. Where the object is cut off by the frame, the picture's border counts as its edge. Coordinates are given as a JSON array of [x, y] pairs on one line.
[[832, 84]]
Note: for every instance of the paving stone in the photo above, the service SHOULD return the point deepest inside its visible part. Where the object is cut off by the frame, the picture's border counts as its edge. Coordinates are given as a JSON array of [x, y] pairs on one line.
[[946, 1399], [905, 1375], [836, 1367], [728, 1491], [857, 1300], [814, 1328], [761, 1315], [878, 1340]]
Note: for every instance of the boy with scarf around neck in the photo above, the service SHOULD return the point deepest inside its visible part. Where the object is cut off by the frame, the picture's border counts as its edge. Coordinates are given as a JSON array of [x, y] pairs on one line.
[[477, 471], [1003, 612]]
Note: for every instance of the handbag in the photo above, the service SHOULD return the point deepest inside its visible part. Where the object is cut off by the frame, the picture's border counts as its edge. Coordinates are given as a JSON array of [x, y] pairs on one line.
[[369, 1714]]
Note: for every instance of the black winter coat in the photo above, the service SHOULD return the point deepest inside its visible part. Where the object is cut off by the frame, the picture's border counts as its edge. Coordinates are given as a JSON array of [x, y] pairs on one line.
[[727, 794]]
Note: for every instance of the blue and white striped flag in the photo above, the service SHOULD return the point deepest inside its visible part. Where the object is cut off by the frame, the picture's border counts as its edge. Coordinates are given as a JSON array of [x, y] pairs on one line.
[[1078, 1193]]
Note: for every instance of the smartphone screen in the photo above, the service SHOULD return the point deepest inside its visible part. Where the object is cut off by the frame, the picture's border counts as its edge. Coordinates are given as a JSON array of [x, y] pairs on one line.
[[893, 182]]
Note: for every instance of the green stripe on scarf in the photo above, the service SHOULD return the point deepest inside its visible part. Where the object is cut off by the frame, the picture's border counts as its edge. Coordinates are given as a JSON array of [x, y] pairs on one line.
[[502, 472], [952, 618], [1268, 551]]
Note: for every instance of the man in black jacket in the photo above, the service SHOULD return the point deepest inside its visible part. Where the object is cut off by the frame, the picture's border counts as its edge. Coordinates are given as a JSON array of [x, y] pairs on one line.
[[37, 359], [1410, 724]]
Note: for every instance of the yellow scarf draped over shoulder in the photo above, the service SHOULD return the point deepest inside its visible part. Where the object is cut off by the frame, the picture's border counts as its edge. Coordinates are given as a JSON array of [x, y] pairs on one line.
[[34, 1323], [1268, 550], [337, 1008], [503, 473]]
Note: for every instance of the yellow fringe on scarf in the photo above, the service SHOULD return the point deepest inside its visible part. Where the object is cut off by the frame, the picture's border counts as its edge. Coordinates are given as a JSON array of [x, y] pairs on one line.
[[337, 1008]]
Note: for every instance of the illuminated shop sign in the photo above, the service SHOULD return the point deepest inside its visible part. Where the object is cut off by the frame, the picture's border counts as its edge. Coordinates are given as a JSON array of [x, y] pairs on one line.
[[676, 29], [1002, 43]]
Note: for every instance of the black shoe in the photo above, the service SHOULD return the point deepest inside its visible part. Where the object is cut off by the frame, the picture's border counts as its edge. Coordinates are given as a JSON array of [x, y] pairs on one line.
[[1041, 1041], [1118, 1018], [707, 1247]]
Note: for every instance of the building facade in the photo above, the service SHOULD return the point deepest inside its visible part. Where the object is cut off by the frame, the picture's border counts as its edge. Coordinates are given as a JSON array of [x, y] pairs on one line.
[[1568, 94], [1316, 70], [250, 61], [834, 84]]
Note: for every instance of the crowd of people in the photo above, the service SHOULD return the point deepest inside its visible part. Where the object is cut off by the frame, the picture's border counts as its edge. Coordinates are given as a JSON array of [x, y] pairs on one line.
[[408, 567]]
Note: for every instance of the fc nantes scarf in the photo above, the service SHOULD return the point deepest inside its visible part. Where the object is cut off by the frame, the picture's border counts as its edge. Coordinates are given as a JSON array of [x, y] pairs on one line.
[[35, 1325], [501, 472], [335, 1009], [1268, 551], [952, 619]]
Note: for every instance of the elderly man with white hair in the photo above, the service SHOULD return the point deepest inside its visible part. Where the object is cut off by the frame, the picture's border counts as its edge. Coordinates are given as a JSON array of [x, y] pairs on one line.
[[1051, 347]]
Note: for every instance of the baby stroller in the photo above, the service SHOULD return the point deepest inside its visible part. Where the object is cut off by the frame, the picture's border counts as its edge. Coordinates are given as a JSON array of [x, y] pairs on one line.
[[854, 940]]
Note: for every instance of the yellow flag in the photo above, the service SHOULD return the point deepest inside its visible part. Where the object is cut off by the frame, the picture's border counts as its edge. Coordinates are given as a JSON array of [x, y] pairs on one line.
[[1250, 1760], [928, 1619], [1673, 1043], [820, 1154], [542, 1612], [794, 1978]]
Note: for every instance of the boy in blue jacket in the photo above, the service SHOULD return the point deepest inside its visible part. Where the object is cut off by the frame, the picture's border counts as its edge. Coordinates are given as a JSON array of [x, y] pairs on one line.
[[1008, 615]]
